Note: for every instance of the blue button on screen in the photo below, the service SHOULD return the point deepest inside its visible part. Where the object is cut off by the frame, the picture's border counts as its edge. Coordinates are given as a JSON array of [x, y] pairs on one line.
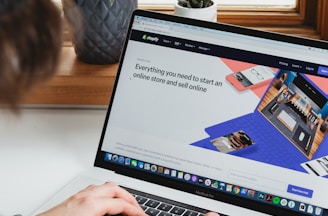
[[323, 71], [300, 191]]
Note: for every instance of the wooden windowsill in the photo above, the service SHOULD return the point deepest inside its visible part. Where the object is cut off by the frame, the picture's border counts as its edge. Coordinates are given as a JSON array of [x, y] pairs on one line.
[[76, 83]]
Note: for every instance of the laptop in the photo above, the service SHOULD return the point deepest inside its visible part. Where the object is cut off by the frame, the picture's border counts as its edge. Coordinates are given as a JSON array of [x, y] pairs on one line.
[[215, 117]]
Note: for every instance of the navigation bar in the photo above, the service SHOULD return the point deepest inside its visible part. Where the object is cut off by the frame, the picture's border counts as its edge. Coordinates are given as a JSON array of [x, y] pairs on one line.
[[230, 53]]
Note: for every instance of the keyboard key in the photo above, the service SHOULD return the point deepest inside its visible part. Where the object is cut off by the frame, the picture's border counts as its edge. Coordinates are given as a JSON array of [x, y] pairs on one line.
[[190, 213], [141, 200], [152, 212], [177, 211], [152, 203], [165, 214], [164, 207]]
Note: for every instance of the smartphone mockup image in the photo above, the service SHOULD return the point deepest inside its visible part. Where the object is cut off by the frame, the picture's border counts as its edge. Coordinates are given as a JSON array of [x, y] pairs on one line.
[[251, 77], [232, 141]]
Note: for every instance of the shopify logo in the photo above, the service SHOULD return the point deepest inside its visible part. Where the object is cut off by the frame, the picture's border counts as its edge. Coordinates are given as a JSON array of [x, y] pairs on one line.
[[150, 38]]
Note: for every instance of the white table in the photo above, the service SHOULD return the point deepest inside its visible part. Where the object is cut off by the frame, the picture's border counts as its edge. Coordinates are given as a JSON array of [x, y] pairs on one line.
[[41, 150]]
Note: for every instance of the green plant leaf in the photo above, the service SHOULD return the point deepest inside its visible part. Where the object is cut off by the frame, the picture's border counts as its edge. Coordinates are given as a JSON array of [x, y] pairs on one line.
[[111, 2], [196, 3], [207, 3], [183, 3]]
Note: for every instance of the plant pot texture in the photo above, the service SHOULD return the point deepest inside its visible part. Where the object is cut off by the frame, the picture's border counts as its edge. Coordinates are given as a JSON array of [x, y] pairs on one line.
[[98, 35]]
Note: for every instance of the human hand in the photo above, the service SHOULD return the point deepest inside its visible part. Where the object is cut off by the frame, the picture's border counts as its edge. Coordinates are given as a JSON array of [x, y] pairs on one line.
[[108, 198], [212, 214]]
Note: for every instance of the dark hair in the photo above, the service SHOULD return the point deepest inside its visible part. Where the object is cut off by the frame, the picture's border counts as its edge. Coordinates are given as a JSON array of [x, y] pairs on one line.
[[30, 44]]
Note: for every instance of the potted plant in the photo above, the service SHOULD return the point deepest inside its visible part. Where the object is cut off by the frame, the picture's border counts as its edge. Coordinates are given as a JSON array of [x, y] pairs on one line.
[[197, 9], [98, 28]]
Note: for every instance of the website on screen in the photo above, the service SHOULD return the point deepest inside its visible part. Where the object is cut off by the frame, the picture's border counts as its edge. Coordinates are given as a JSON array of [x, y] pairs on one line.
[[241, 116]]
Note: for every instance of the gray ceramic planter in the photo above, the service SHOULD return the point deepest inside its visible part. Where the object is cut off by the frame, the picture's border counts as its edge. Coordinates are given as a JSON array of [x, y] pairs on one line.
[[98, 35]]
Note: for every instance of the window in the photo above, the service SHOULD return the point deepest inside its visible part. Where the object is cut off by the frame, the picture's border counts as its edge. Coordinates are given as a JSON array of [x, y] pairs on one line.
[[249, 13], [307, 18]]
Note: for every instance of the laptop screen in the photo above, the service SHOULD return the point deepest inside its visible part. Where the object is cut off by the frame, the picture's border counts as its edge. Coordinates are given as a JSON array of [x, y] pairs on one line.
[[221, 111]]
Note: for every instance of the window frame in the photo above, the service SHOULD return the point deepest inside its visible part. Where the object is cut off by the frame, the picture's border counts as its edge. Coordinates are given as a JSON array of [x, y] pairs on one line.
[[307, 19], [249, 16], [322, 19]]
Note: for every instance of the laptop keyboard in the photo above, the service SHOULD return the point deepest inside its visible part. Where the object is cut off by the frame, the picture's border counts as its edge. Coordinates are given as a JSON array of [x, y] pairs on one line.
[[159, 206]]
